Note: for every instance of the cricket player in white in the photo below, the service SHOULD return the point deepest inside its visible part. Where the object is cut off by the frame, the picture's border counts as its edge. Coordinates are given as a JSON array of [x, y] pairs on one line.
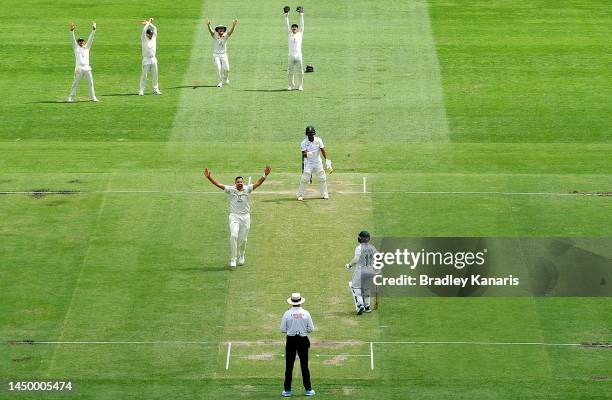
[[363, 269], [82, 67], [294, 60], [149, 61], [240, 209], [312, 147], [220, 39]]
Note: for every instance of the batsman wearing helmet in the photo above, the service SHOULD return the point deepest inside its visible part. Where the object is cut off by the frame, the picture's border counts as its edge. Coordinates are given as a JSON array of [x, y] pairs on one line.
[[312, 147], [362, 266]]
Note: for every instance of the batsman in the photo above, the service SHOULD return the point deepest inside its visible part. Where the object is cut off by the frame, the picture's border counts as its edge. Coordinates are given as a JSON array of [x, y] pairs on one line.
[[363, 269], [312, 148]]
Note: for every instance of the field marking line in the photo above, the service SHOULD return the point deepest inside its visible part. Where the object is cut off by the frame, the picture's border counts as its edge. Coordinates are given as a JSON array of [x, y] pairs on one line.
[[229, 351], [287, 192], [279, 342], [372, 356], [364, 185]]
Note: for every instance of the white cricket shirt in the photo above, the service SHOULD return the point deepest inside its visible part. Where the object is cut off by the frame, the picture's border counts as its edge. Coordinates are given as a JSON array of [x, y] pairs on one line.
[[296, 321], [314, 148], [295, 39], [239, 200], [364, 262], [81, 54], [220, 44], [149, 46]]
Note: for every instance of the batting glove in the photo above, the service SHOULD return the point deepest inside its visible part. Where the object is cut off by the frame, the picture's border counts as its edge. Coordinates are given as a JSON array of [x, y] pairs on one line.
[[328, 164]]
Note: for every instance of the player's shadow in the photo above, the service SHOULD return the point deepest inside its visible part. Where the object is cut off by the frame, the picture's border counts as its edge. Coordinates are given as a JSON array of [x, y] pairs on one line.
[[119, 94], [193, 86], [58, 102], [279, 200], [265, 90]]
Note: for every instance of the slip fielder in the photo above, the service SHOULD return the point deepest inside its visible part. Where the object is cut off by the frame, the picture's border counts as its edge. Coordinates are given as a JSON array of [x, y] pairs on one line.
[[220, 38], [312, 147], [363, 269], [148, 39], [240, 209], [82, 67], [295, 60]]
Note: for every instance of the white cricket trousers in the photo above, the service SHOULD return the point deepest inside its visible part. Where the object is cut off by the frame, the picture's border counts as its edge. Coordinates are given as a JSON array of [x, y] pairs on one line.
[[295, 62], [78, 74], [361, 296], [239, 225], [308, 171], [221, 66], [149, 64]]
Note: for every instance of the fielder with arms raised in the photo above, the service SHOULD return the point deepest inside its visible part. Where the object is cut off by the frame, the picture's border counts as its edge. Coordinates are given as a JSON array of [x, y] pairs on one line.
[[82, 67], [149, 59], [362, 266], [239, 217]]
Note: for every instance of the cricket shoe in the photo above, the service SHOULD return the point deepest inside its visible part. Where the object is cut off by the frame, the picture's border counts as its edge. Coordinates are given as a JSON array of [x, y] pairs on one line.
[[290, 88], [241, 260], [300, 198], [220, 84], [360, 310], [286, 393], [309, 392], [326, 196], [69, 100], [367, 309], [233, 263], [226, 81], [157, 92], [95, 99], [301, 88], [140, 93]]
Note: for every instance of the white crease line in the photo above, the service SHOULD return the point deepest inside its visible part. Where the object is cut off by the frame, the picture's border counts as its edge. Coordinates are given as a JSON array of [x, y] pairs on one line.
[[229, 351], [288, 192], [372, 356], [278, 342]]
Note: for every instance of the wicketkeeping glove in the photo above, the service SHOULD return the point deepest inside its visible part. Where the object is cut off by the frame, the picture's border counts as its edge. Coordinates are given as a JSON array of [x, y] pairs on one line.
[[300, 9], [286, 9]]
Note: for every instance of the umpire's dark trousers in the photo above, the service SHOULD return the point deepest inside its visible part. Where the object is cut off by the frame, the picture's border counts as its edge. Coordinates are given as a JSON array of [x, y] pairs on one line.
[[297, 344]]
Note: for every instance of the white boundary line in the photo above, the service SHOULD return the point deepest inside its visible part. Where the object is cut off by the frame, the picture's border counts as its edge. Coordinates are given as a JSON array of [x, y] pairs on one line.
[[372, 356], [229, 351], [275, 342], [263, 192]]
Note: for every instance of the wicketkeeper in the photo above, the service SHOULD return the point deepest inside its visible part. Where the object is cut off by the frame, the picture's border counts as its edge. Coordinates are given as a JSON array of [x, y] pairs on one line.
[[363, 269]]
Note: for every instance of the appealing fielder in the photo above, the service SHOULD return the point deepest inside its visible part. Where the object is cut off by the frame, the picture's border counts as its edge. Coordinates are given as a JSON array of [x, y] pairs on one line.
[[82, 67], [295, 61], [312, 147], [363, 272], [149, 61], [239, 217], [220, 39]]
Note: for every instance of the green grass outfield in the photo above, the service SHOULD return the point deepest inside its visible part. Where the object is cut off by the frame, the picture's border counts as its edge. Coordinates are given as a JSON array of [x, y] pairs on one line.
[[428, 101]]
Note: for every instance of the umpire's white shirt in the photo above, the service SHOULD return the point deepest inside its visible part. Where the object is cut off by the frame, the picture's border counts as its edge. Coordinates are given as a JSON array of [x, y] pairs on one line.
[[313, 151], [296, 321], [81, 54], [239, 200]]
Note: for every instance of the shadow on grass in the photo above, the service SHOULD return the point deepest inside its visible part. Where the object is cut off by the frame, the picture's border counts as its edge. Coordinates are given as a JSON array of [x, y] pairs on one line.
[[58, 102], [265, 90], [119, 94], [193, 87]]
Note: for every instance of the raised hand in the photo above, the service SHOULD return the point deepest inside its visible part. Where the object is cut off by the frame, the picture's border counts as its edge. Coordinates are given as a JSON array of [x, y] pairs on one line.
[[234, 21], [206, 173], [72, 26], [93, 25], [208, 22], [267, 170]]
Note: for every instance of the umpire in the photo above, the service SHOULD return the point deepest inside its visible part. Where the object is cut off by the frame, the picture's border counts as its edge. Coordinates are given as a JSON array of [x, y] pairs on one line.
[[297, 324]]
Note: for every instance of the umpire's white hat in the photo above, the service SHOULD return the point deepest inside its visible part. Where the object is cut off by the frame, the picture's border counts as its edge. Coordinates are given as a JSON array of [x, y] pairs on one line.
[[296, 299]]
